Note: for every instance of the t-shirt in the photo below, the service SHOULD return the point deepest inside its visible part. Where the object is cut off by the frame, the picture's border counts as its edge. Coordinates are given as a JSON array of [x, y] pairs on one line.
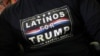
[[49, 28]]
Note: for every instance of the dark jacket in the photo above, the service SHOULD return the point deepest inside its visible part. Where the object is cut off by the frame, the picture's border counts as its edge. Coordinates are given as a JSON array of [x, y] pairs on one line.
[[50, 27]]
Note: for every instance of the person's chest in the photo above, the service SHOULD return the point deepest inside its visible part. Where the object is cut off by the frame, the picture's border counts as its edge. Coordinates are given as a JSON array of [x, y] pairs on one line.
[[45, 23]]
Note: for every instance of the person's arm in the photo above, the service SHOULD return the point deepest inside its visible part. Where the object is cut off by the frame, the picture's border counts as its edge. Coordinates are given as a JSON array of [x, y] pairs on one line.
[[8, 43]]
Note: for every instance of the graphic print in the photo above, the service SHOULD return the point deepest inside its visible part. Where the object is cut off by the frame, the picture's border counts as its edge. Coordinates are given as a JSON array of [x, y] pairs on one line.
[[48, 27]]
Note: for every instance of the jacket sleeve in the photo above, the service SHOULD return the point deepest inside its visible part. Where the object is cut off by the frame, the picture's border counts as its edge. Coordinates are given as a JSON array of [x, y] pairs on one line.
[[8, 44], [90, 11]]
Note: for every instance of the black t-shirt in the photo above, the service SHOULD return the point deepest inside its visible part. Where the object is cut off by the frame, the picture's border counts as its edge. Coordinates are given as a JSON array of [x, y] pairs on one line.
[[49, 27]]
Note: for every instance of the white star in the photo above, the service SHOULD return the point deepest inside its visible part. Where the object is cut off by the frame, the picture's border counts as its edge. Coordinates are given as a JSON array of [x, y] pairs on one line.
[[44, 15], [38, 16], [49, 13]]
